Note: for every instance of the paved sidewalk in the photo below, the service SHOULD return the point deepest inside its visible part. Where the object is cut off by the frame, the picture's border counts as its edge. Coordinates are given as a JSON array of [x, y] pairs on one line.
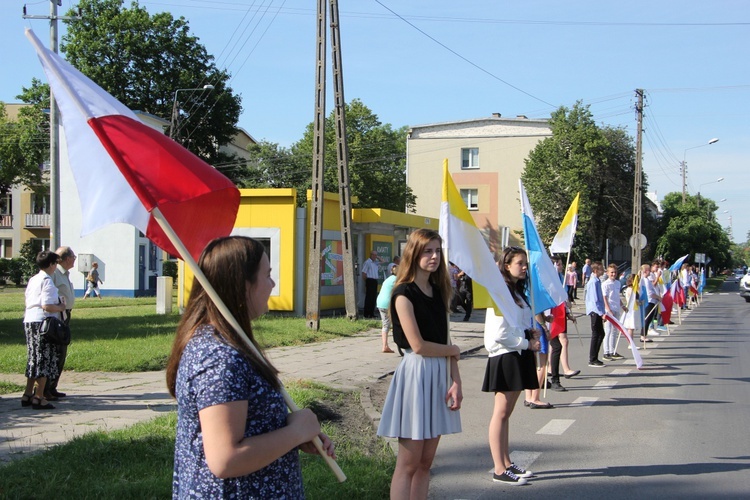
[[111, 401]]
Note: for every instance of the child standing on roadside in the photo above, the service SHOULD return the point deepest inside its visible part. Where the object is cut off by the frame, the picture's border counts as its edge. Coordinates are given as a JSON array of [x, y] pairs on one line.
[[510, 366], [595, 311], [416, 408], [613, 305]]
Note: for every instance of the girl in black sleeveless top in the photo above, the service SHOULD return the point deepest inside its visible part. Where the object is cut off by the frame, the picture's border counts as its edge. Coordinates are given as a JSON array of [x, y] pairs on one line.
[[416, 409]]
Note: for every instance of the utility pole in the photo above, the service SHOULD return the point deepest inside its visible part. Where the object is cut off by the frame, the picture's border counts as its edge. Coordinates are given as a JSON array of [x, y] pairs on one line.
[[54, 130], [342, 154], [683, 170], [635, 241], [318, 196]]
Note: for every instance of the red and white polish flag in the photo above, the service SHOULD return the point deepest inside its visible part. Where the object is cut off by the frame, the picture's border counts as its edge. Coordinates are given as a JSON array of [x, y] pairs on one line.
[[636, 355], [123, 169]]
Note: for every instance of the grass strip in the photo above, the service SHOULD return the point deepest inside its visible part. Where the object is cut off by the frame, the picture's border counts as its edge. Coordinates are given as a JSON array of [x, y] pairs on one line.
[[126, 335], [137, 462]]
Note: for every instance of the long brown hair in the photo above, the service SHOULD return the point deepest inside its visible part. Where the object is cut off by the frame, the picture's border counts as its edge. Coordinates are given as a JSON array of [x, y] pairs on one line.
[[517, 289], [229, 264], [407, 269]]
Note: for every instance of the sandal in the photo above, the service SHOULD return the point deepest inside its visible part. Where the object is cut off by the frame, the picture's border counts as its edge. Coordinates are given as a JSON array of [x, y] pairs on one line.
[[36, 404], [26, 400]]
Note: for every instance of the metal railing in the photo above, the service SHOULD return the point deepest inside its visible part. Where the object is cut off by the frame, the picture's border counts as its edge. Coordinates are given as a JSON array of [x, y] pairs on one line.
[[37, 220]]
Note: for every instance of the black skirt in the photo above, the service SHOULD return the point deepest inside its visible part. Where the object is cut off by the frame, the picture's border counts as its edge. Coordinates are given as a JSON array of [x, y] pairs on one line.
[[510, 372]]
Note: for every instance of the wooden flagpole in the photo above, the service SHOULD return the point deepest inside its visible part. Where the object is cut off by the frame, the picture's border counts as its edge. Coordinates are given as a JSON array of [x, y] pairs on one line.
[[448, 311], [185, 254]]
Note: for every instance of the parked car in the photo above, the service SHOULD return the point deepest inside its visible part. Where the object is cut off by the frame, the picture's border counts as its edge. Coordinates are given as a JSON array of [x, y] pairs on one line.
[[745, 287]]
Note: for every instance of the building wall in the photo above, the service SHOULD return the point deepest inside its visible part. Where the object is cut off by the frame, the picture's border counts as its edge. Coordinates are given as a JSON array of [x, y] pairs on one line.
[[503, 145], [116, 247], [271, 215]]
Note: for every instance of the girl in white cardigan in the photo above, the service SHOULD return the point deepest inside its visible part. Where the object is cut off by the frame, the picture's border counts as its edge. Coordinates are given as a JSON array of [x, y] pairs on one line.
[[510, 367]]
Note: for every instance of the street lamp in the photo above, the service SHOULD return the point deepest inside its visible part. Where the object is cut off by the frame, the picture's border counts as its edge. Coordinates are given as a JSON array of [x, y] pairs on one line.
[[731, 232], [683, 164], [176, 111], [705, 184]]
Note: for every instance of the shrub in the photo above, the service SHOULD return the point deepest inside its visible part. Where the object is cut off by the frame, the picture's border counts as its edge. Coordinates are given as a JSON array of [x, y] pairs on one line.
[[169, 268]]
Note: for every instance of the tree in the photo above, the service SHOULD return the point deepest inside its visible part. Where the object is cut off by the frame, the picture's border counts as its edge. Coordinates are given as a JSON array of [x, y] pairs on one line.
[[24, 147], [377, 156], [377, 159], [142, 60], [582, 157], [692, 228]]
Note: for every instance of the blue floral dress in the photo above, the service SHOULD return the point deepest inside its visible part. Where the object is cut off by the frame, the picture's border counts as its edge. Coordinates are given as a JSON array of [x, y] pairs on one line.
[[210, 373]]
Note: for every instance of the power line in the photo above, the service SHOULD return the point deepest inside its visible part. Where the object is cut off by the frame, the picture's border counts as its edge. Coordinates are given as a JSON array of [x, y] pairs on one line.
[[462, 57]]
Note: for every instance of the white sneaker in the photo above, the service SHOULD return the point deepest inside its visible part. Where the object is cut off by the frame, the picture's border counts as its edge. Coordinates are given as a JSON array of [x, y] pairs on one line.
[[508, 477], [520, 471]]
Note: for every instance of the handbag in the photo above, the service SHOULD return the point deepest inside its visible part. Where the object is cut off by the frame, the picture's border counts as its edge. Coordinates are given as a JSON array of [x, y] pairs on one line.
[[55, 331]]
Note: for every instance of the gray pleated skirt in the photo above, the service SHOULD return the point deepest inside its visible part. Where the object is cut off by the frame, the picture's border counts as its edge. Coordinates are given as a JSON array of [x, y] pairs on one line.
[[415, 406]]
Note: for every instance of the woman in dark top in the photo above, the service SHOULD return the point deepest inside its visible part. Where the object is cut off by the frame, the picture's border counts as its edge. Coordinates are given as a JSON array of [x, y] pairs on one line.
[[235, 436], [421, 404]]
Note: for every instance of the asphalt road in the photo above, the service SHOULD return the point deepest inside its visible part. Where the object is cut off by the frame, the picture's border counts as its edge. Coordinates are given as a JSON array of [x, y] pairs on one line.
[[675, 429]]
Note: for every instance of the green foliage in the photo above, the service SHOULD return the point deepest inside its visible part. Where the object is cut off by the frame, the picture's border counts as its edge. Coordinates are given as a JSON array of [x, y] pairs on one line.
[[29, 250], [17, 267], [12, 270], [143, 59], [10, 387], [169, 268], [598, 162], [692, 228], [24, 147], [376, 155]]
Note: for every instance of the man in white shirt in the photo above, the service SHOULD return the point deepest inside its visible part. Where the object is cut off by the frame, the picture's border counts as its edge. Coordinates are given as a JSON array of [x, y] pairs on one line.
[[370, 275], [61, 279]]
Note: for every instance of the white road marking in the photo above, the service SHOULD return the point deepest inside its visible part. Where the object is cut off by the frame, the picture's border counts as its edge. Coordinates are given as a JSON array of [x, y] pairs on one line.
[[605, 384], [583, 401], [621, 371], [556, 427], [524, 459]]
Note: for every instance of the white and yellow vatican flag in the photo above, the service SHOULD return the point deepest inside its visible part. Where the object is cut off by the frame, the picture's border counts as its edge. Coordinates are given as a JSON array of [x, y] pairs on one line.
[[466, 247]]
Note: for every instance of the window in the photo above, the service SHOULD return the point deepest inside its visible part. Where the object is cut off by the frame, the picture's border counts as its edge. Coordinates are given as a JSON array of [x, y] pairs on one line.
[[41, 243], [470, 158], [270, 238], [471, 198], [6, 204], [6, 248], [151, 256], [39, 203]]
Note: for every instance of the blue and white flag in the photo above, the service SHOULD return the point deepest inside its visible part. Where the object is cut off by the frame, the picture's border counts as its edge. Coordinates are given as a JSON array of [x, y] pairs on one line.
[[546, 289]]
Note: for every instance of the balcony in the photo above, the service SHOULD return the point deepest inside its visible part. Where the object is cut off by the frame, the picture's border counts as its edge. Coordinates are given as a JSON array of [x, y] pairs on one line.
[[6, 221], [37, 220]]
